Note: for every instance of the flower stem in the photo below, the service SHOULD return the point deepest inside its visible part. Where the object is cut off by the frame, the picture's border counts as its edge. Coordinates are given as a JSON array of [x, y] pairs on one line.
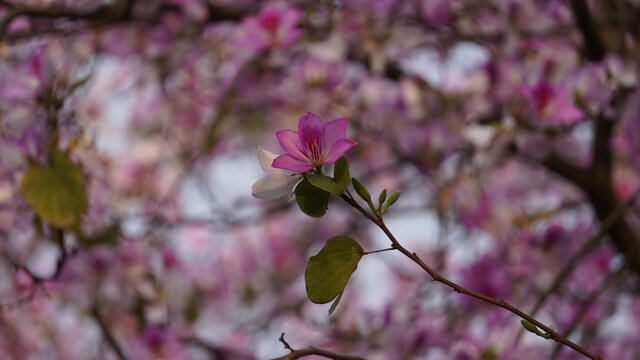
[[377, 251]]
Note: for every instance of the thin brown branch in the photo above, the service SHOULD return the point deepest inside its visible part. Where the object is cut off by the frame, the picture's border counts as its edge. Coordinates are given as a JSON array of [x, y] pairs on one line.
[[217, 352], [106, 332], [309, 351], [58, 237], [114, 11], [587, 247], [457, 288], [606, 282]]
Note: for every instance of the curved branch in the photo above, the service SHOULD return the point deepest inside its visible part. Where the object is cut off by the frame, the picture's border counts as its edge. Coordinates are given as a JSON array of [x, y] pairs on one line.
[[458, 288], [106, 332], [589, 245], [297, 354]]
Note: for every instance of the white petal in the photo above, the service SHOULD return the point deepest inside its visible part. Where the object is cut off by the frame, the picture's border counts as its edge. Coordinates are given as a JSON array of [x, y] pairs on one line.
[[274, 186], [265, 157]]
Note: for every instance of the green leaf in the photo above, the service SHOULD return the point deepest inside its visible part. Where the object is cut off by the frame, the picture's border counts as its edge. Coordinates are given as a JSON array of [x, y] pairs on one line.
[[361, 190], [311, 200], [392, 199], [530, 327], [336, 185], [382, 197], [341, 173], [329, 271], [335, 304], [325, 183], [56, 193]]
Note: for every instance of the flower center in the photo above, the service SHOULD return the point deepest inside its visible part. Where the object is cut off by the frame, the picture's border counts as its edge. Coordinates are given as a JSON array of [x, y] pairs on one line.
[[315, 150]]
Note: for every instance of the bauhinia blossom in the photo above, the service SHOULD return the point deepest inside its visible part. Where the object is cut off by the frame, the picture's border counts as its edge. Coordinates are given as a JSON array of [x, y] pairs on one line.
[[314, 144], [273, 27], [552, 105], [277, 183]]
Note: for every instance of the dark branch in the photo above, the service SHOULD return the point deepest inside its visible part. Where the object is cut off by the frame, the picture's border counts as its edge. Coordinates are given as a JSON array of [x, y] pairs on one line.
[[606, 282], [568, 171], [593, 46], [588, 246], [297, 354], [106, 332]]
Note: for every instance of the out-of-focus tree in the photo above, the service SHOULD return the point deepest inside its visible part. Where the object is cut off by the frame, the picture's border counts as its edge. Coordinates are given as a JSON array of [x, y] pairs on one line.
[[511, 126]]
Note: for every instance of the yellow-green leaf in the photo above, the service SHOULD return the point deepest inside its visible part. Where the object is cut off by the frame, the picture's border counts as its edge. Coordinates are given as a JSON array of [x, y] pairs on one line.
[[56, 193], [329, 271]]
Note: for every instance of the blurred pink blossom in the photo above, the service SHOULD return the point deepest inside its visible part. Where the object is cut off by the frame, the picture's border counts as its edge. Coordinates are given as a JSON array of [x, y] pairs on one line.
[[273, 27], [552, 105]]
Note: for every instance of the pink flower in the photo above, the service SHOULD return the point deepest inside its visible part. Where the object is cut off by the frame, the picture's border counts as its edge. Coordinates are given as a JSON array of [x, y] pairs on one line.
[[313, 145], [272, 27], [552, 104]]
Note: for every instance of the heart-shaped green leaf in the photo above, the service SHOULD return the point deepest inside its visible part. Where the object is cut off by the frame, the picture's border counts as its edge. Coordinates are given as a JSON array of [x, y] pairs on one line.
[[56, 193], [311, 200], [329, 271]]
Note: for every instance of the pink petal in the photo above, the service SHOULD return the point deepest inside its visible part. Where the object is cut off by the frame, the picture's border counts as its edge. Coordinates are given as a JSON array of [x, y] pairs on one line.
[[288, 162], [310, 129], [290, 142], [334, 131], [338, 149]]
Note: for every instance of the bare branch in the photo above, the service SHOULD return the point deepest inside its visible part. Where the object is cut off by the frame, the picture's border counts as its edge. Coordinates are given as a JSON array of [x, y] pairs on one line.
[[585, 307], [594, 48], [106, 332], [459, 289], [297, 354]]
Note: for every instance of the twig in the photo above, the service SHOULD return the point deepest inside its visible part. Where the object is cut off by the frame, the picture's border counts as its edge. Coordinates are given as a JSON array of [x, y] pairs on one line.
[[377, 251], [217, 352], [589, 245], [297, 354], [457, 288], [286, 344], [585, 307], [106, 332]]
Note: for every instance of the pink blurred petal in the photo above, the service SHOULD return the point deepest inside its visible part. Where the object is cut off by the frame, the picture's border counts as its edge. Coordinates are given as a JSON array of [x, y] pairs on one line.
[[288, 162]]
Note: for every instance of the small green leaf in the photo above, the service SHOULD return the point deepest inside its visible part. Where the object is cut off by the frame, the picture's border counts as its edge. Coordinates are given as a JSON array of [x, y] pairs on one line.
[[341, 173], [382, 197], [392, 199], [530, 327], [361, 190], [336, 185], [335, 304], [311, 200], [325, 183], [329, 271], [55, 192]]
